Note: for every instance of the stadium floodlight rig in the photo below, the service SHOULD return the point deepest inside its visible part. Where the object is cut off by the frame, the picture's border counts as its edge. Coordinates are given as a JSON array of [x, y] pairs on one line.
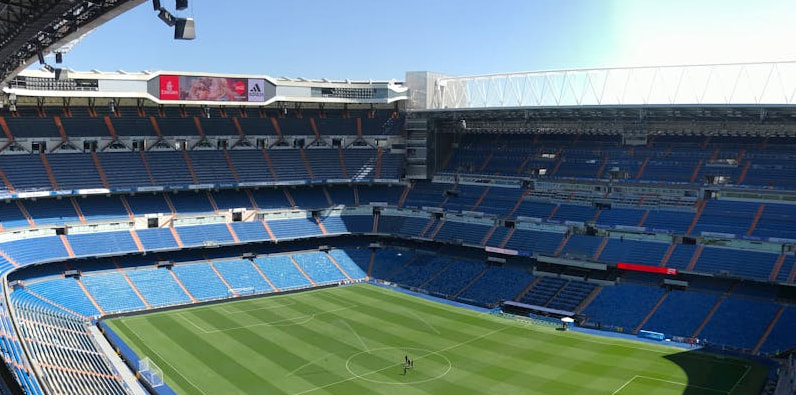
[[183, 27], [30, 27]]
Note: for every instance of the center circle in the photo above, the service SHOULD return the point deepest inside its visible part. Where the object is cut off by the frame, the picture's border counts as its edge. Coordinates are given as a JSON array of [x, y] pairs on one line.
[[379, 365]]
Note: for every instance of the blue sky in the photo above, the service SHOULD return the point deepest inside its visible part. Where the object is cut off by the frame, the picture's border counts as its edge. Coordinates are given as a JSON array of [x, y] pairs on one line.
[[371, 39]]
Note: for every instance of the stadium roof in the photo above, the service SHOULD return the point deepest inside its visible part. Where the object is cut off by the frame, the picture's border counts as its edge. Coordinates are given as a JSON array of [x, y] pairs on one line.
[[743, 84], [197, 88], [28, 27]]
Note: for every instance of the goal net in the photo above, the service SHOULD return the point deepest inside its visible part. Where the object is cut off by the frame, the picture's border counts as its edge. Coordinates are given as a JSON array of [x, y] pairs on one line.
[[150, 372]]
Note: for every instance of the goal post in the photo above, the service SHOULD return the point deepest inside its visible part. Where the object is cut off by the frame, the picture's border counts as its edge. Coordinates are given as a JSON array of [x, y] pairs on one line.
[[150, 372]]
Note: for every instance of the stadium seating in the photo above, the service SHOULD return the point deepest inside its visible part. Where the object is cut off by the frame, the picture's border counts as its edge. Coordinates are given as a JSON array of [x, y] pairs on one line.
[[112, 292], [91, 244], [124, 169], [454, 277], [334, 224], [578, 156], [388, 262], [497, 284], [273, 179], [103, 208], [156, 239], [471, 233], [633, 251], [57, 335], [158, 287], [347, 263], [52, 211], [681, 313], [319, 268], [241, 276], [557, 293], [531, 241], [67, 292], [341, 195], [11, 217], [201, 281], [294, 228], [229, 199], [781, 335], [250, 231], [623, 306], [356, 223], [744, 263], [776, 221], [143, 204], [29, 173], [420, 270], [282, 272], [571, 295], [191, 203], [39, 249], [197, 235], [74, 171], [739, 322]]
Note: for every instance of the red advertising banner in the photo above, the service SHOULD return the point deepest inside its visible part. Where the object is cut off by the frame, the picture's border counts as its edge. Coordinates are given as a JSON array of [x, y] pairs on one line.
[[169, 87], [647, 269]]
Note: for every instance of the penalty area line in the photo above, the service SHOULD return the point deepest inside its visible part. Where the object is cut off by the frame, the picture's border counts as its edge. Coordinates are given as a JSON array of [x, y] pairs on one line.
[[624, 385], [686, 385]]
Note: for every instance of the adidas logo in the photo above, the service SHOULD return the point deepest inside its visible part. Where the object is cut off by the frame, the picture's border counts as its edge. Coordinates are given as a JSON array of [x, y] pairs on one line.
[[256, 90]]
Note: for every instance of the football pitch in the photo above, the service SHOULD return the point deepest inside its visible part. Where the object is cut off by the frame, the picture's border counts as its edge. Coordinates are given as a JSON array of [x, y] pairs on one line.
[[354, 340]]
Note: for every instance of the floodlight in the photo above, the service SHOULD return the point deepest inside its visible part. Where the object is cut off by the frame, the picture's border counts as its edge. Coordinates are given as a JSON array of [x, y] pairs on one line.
[[182, 4], [166, 17], [184, 29]]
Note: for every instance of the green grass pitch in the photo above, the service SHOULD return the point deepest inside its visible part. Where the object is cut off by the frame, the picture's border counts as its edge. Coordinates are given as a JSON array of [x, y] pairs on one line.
[[352, 340]]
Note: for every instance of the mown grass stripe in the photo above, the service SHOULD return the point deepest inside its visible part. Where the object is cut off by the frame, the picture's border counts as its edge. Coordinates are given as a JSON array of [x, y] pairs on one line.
[[174, 376], [300, 343]]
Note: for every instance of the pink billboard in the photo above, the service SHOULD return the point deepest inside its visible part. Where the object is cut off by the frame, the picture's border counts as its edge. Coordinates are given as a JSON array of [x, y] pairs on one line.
[[213, 88]]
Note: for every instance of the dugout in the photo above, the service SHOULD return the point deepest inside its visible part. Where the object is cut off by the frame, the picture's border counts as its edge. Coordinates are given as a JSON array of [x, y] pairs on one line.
[[526, 310]]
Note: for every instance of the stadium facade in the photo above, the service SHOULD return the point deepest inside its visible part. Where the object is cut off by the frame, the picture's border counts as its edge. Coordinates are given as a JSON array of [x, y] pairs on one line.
[[655, 199], [133, 192]]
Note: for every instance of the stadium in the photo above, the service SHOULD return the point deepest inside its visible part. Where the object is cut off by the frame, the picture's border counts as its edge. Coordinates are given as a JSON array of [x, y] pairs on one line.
[[589, 231]]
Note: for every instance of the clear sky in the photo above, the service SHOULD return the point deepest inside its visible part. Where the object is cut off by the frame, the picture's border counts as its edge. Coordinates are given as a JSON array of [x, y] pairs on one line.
[[373, 39]]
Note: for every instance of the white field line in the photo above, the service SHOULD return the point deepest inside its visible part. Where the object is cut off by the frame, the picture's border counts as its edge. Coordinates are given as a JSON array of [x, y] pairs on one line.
[[428, 324], [683, 384], [743, 376], [399, 364], [626, 344], [292, 372], [624, 385], [290, 321], [364, 346], [278, 306], [666, 381], [170, 365], [231, 301]]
